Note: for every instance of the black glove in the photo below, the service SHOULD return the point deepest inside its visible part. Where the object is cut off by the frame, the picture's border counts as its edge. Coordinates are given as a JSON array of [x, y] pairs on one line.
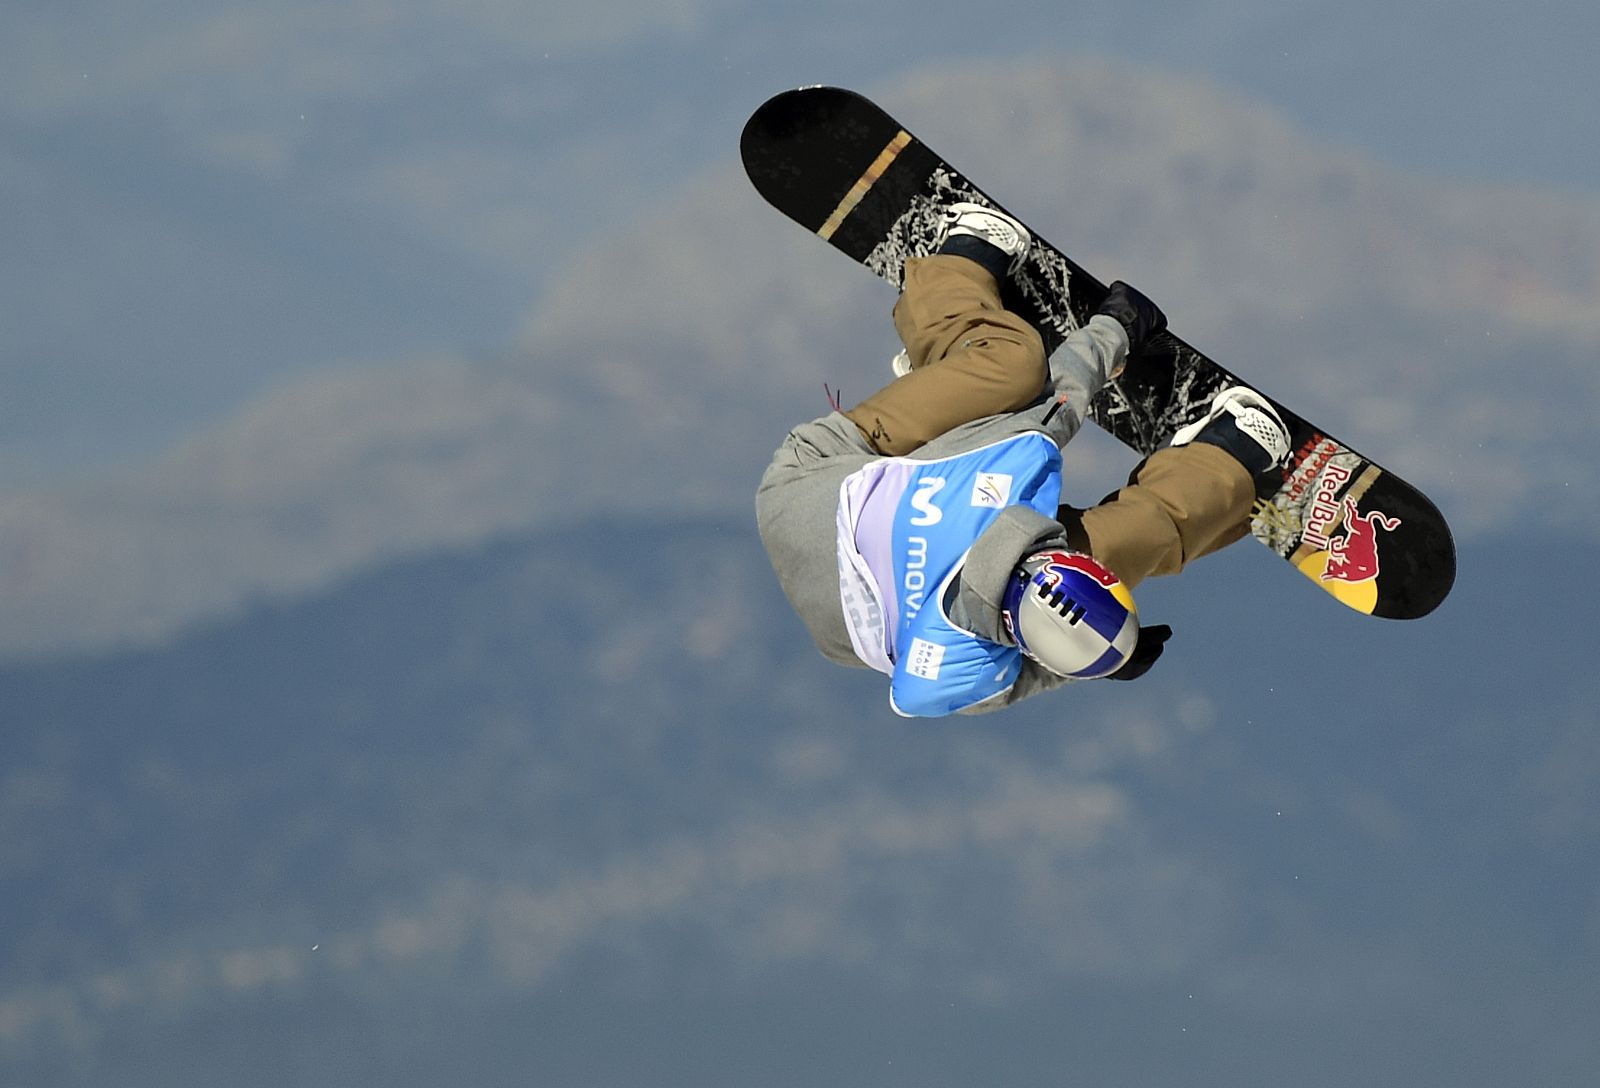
[[1141, 317], [1145, 652]]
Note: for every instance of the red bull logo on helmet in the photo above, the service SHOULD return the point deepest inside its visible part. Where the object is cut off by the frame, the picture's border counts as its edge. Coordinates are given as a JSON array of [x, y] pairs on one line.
[[1061, 562]]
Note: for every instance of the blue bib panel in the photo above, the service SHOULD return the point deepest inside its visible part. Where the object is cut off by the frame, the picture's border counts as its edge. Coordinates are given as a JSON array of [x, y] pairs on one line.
[[940, 668]]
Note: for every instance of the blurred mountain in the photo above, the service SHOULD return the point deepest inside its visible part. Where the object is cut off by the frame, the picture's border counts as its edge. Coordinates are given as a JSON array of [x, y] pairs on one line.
[[584, 806], [1446, 329]]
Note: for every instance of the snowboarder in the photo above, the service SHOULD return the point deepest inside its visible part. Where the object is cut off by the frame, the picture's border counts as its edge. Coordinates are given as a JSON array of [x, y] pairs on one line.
[[921, 533]]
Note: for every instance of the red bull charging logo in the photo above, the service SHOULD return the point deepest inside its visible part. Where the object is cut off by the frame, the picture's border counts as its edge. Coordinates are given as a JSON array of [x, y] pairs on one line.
[[1353, 557]]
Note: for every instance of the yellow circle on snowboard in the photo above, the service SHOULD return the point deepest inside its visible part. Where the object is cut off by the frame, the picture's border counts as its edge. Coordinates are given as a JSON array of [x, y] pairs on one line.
[[1361, 596]]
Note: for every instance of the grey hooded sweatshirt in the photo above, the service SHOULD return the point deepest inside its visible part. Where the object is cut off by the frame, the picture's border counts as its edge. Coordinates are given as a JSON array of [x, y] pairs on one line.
[[798, 498]]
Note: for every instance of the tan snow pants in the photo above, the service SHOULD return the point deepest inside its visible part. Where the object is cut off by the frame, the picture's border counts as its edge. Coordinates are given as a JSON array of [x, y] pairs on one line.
[[971, 358]]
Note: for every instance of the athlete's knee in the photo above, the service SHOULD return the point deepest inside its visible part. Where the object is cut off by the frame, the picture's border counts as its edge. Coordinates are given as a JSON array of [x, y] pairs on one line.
[[1015, 360]]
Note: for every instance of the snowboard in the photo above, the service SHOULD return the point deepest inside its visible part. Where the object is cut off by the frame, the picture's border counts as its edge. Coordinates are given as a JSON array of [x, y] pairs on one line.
[[844, 169]]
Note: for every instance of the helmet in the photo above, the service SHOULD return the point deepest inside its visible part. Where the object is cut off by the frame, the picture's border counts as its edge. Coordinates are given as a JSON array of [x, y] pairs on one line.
[[1071, 615]]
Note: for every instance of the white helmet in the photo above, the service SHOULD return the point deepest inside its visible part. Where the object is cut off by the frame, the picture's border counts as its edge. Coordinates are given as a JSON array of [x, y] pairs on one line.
[[1071, 615]]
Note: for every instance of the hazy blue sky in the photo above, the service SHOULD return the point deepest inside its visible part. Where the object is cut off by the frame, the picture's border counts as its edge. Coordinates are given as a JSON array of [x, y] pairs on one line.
[[210, 198]]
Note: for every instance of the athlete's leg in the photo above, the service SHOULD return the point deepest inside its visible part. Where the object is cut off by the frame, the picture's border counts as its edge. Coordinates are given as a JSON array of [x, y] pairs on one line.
[[970, 357], [1180, 504]]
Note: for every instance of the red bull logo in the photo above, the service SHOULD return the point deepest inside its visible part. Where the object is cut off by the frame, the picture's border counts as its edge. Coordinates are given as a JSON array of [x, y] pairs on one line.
[[1353, 557], [1323, 509], [1084, 565]]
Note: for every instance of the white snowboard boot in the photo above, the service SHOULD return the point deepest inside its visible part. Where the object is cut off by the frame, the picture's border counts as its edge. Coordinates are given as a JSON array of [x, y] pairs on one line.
[[990, 237], [1243, 422]]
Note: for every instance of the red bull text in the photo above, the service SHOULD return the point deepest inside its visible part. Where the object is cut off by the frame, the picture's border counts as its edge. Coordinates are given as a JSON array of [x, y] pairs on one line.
[[1322, 512]]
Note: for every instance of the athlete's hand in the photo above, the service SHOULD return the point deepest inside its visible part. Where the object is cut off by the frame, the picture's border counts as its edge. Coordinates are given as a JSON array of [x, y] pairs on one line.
[[1145, 652], [1135, 313]]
